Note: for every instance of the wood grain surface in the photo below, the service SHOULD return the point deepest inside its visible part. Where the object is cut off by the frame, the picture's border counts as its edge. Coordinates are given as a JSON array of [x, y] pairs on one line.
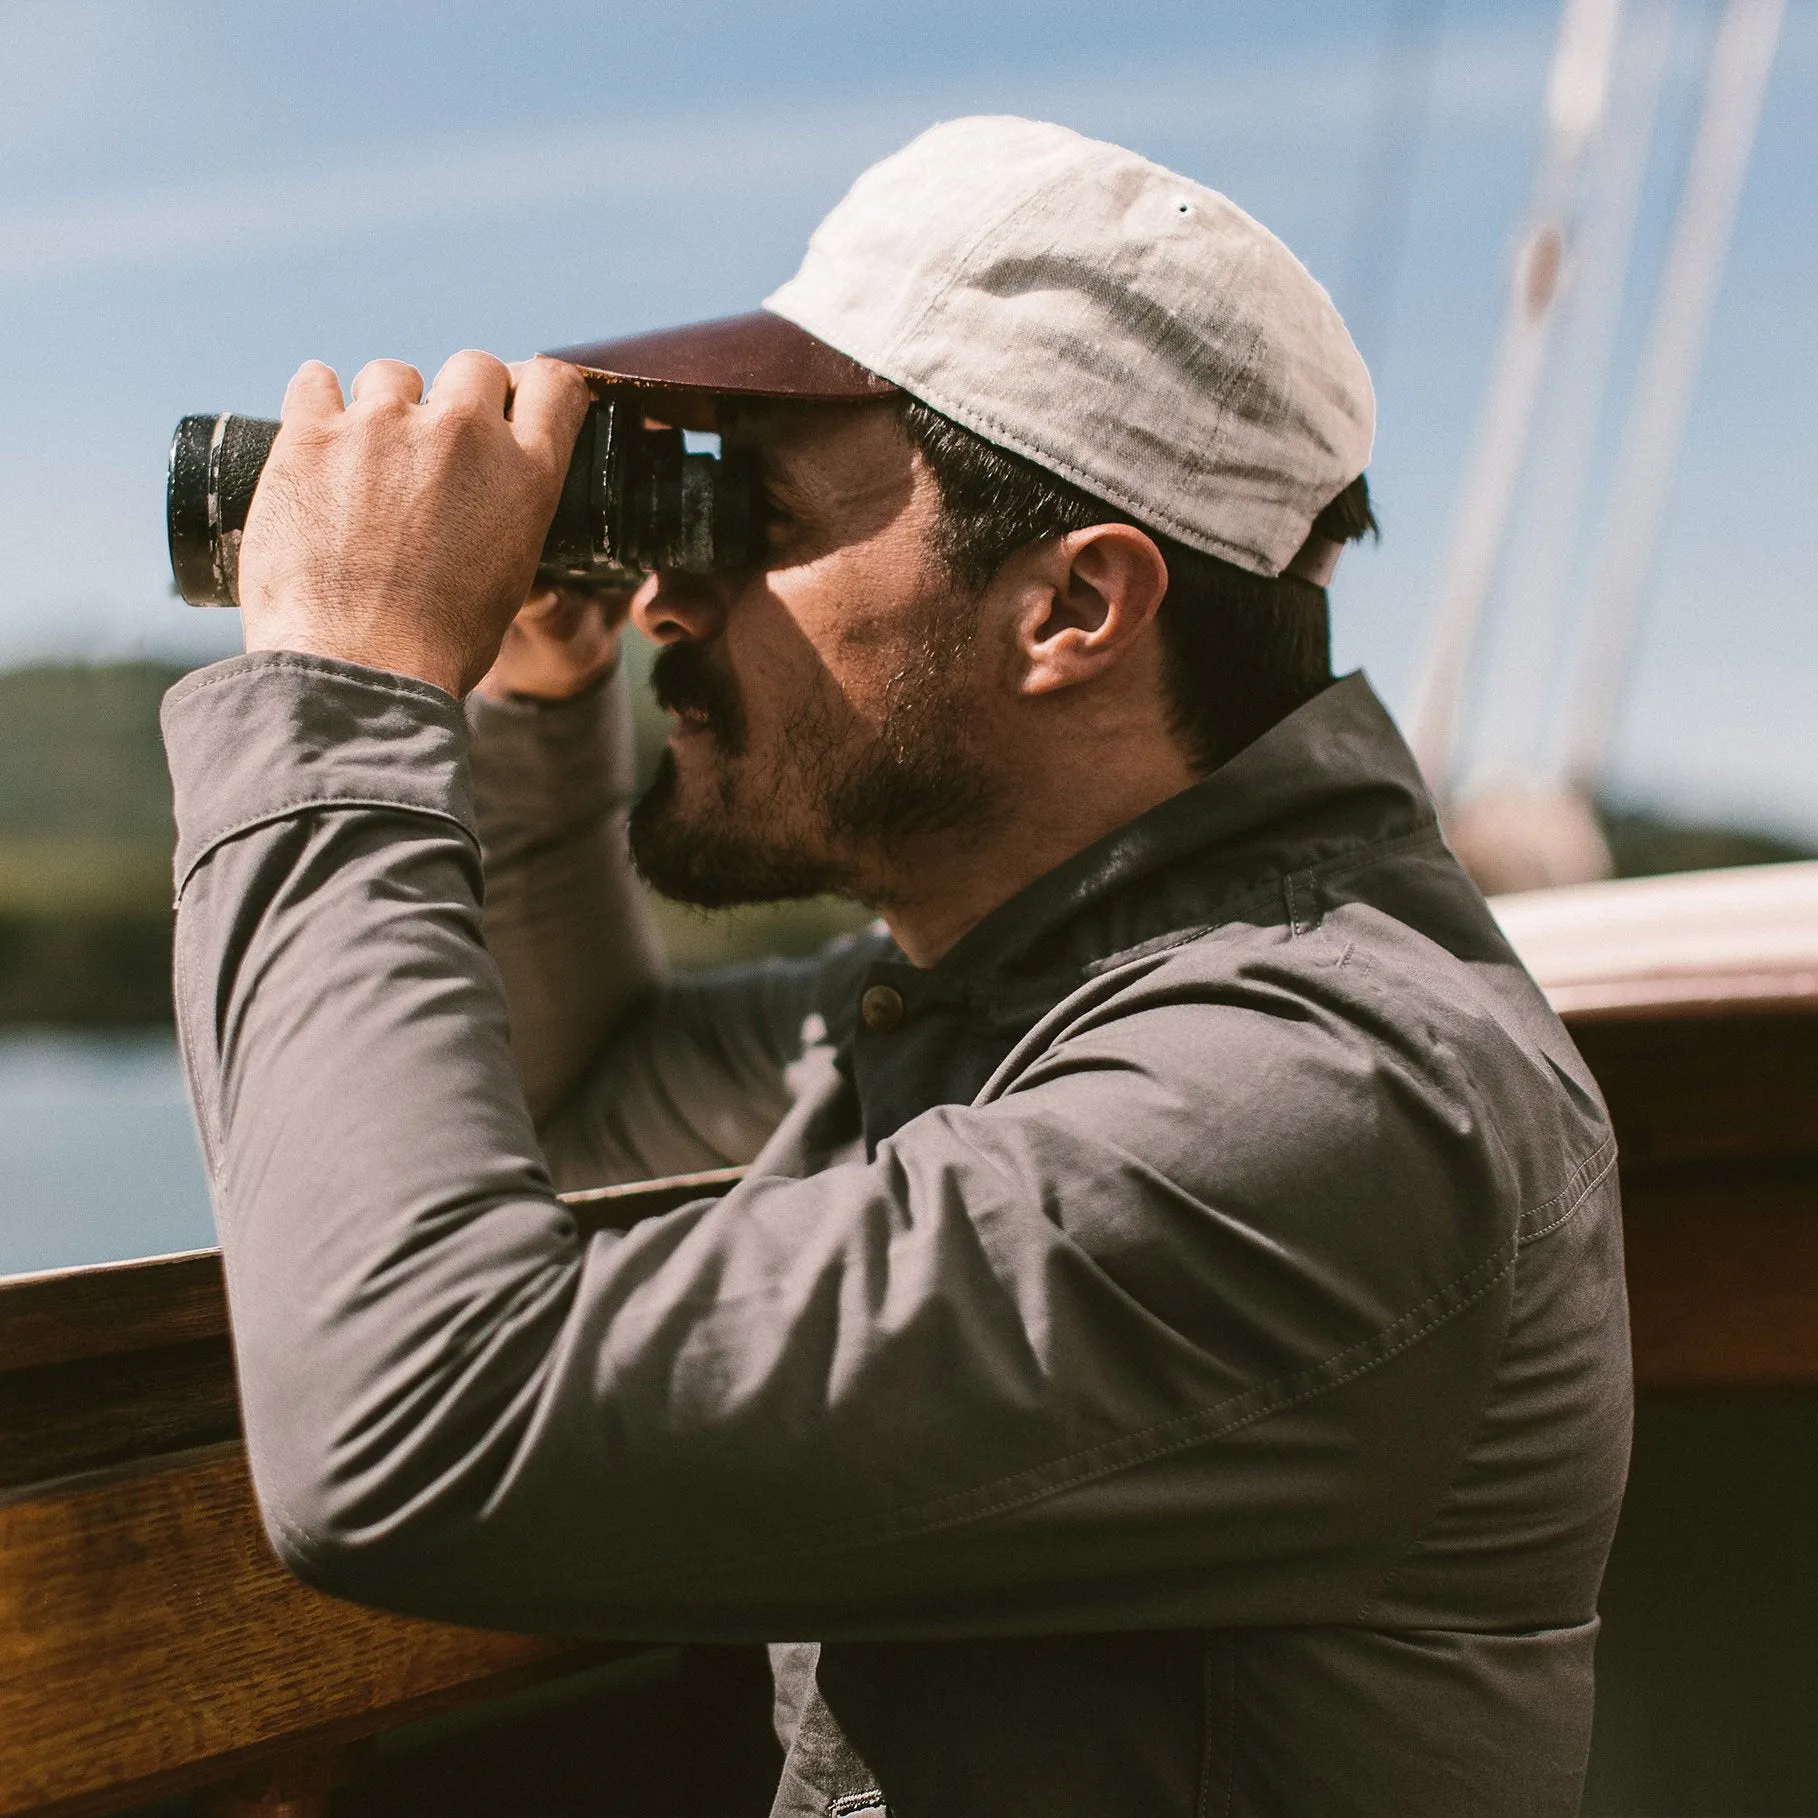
[[1711, 1089], [96, 1412], [114, 1308], [149, 1639], [1723, 1278]]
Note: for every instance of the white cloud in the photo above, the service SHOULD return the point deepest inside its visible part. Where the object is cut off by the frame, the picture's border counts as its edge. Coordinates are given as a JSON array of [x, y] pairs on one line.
[[756, 150]]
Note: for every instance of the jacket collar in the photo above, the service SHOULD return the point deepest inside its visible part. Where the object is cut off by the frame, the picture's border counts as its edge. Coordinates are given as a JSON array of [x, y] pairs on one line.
[[1334, 777]]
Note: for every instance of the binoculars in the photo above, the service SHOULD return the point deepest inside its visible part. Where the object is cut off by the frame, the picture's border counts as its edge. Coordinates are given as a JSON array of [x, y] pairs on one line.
[[635, 499]]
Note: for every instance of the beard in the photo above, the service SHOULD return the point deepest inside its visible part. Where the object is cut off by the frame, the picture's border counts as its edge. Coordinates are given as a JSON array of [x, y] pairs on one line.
[[858, 794]]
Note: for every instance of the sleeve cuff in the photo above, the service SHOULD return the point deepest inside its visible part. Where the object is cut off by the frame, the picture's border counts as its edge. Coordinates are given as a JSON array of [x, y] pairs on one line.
[[261, 737]]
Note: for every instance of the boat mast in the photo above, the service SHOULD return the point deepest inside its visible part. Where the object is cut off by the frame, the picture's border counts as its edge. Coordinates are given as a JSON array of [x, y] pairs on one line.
[[1735, 86], [1577, 89], [1512, 743]]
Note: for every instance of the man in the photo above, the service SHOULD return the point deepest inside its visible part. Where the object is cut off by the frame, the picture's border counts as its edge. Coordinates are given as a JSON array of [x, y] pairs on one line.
[[1168, 1354]]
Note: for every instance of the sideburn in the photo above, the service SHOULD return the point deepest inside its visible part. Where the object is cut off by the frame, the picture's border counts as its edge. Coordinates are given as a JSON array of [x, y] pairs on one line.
[[921, 774]]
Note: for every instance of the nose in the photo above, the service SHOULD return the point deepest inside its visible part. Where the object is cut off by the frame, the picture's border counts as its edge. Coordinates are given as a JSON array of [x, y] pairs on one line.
[[675, 608]]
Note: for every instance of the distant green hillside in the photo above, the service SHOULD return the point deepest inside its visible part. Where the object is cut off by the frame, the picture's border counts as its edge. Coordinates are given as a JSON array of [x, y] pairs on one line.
[[85, 840], [79, 752]]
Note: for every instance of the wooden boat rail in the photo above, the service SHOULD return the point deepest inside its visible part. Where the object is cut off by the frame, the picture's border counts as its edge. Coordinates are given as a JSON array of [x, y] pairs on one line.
[[1695, 1000], [150, 1644]]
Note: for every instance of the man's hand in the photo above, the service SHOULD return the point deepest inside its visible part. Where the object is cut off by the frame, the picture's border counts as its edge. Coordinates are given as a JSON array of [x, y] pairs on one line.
[[401, 531], [559, 643]]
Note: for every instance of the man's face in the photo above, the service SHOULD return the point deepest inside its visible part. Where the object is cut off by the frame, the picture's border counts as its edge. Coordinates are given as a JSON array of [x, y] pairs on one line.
[[827, 706]]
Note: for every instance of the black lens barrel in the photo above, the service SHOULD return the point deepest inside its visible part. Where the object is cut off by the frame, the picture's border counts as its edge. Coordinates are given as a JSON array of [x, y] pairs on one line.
[[633, 501], [215, 463]]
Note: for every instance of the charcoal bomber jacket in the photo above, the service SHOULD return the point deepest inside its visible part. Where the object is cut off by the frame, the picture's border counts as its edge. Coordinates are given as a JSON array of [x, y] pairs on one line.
[[1169, 1357]]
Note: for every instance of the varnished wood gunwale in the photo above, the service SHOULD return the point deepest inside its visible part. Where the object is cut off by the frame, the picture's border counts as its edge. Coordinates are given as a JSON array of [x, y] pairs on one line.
[[1717, 1117], [150, 1642], [64, 1314], [102, 1366], [59, 1315]]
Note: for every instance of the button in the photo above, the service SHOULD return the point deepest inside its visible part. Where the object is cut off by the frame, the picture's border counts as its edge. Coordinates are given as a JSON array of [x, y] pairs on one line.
[[882, 1008]]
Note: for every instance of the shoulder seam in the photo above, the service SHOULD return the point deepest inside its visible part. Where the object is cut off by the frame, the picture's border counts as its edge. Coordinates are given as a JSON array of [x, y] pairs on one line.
[[1581, 1183]]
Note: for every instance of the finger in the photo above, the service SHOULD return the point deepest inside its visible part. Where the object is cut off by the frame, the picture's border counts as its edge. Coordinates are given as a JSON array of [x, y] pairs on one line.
[[546, 412], [517, 369], [475, 378], [540, 608], [556, 615], [380, 379], [314, 391]]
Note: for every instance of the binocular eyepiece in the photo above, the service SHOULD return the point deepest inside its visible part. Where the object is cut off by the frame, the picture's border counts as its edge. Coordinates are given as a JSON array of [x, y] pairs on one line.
[[634, 500]]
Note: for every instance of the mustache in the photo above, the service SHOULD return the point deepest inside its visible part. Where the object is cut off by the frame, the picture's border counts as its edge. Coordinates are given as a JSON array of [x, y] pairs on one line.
[[686, 680]]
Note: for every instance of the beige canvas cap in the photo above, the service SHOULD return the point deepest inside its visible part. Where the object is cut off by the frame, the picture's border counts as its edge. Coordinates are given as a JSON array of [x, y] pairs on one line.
[[1124, 327]]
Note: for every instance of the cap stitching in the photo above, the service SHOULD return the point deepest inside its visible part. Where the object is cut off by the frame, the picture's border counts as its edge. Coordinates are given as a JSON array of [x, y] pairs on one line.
[[1158, 517]]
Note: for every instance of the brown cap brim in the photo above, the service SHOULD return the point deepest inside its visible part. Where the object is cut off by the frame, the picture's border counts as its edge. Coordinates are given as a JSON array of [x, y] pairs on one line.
[[757, 355]]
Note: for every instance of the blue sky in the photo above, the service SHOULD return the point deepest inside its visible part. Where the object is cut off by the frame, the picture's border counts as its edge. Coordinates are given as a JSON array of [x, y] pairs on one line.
[[194, 199]]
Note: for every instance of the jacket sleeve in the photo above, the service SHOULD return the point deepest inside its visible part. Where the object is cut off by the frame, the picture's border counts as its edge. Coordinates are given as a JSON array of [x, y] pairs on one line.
[[629, 1071], [1042, 1365], [569, 929]]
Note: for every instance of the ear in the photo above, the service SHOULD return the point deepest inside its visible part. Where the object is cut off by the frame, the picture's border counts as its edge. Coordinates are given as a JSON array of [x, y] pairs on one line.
[[1086, 601]]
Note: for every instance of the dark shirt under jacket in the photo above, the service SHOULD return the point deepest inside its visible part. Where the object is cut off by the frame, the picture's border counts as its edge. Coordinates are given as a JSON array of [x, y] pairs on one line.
[[1175, 1365]]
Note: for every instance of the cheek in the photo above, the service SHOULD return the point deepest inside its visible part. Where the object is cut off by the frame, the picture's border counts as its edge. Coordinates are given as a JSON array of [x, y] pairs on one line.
[[854, 613], [783, 674]]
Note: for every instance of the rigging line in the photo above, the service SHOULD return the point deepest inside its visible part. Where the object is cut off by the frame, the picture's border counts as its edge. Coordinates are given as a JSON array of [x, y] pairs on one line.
[[1742, 59], [1388, 171], [1526, 658], [1577, 86]]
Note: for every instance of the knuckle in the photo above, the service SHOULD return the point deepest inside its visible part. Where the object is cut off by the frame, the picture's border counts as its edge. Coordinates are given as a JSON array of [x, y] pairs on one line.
[[570, 381], [460, 421], [471, 363], [386, 369], [308, 436], [450, 436]]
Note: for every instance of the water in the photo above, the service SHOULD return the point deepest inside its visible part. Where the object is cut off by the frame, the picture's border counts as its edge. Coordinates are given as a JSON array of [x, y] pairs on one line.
[[98, 1158]]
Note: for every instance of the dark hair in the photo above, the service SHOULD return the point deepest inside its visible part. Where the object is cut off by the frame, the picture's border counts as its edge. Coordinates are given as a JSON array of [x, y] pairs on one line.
[[1241, 650]]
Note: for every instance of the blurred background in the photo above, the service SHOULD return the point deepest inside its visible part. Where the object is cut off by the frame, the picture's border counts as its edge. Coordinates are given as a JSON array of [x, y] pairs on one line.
[[1576, 245], [194, 199]]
